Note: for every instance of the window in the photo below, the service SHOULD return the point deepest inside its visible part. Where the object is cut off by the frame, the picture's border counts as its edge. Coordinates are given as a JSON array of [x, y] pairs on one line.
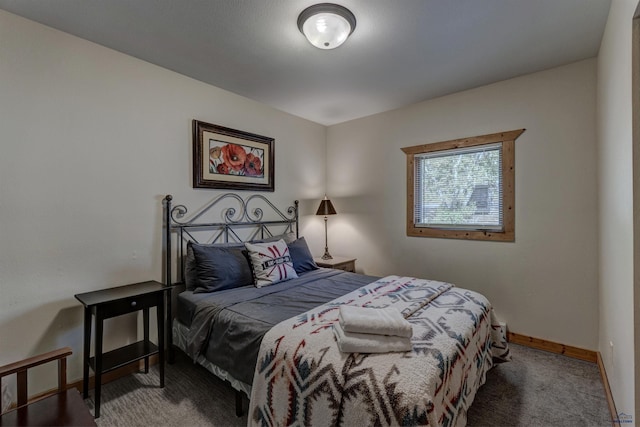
[[462, 189]]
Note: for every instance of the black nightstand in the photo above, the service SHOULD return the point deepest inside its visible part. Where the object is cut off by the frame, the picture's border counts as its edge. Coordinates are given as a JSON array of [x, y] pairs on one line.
[[338, 263], [113, 302]]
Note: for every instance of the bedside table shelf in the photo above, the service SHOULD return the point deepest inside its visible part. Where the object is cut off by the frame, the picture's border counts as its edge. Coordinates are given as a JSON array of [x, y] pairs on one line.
[[123, 356], [338, 263], [107, 303]]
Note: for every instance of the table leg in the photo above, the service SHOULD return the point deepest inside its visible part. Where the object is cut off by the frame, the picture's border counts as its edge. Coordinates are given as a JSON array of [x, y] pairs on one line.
[[86, 352], [161, 349], [145, 322], [169, 320], [98, 359]]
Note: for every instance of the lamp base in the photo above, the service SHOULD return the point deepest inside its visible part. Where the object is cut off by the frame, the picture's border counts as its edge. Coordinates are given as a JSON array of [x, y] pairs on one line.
[[327, 255]]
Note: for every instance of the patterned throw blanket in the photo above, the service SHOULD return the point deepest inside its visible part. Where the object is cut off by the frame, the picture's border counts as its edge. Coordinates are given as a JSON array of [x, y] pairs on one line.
[[302, 378]]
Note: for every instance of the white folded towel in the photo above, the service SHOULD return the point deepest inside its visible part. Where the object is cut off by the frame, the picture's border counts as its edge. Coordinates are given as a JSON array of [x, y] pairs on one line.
[[350, 342], [380, 321]]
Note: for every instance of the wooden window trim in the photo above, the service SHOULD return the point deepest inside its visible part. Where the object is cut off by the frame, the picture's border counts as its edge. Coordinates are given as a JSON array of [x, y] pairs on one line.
[[508, 191]]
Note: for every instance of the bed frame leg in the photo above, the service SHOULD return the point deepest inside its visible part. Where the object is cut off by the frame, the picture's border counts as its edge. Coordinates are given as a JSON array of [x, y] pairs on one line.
[[238, 403]]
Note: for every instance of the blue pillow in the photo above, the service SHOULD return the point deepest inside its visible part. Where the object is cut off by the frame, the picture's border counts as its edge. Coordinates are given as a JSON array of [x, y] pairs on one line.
[[301, 256], [190, 271], [220, 267]]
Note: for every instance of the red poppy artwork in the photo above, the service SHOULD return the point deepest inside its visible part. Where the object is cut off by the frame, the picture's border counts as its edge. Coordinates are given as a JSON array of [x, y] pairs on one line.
[[229, 158], [235, 159]]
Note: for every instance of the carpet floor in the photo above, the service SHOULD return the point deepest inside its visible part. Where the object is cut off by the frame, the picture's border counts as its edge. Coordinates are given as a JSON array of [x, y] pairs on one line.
[[536, 388]]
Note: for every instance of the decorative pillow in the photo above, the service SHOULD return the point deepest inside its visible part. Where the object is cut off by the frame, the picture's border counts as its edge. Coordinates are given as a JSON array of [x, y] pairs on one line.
[[301, 256], [271, 262], [219, 267]]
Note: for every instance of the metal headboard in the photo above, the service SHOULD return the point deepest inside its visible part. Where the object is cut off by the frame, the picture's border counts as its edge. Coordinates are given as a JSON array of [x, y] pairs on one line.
[[241, 220]]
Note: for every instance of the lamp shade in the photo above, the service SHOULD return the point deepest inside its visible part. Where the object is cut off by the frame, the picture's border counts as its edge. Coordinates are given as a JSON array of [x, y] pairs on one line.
[[326, 208], [326, 25]]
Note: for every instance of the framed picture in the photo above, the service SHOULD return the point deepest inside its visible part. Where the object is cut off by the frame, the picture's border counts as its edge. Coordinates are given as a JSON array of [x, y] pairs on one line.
[[231, 159]]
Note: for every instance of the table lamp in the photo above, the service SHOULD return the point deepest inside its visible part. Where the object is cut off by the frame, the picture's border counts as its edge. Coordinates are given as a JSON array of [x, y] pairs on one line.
[[326, 208]]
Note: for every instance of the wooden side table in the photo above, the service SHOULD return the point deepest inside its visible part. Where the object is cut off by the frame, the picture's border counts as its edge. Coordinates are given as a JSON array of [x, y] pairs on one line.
[[338, 263], [113, 302]]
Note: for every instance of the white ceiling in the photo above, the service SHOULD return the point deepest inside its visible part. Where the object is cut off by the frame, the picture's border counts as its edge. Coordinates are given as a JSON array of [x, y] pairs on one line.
[[400, 53]]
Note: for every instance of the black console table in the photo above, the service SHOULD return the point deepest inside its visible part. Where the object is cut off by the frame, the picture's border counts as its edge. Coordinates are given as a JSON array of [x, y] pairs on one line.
[[112, 302]]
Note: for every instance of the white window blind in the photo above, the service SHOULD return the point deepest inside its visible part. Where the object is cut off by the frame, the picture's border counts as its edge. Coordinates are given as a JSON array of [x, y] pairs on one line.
[[459, 188]]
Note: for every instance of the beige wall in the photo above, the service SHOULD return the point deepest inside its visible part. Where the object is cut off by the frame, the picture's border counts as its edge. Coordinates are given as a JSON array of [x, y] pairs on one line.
[[90, 141], [615, 189], [543, 285]]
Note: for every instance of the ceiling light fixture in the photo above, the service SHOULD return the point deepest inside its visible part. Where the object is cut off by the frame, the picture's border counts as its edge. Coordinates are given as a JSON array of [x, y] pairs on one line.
[[326, 25]]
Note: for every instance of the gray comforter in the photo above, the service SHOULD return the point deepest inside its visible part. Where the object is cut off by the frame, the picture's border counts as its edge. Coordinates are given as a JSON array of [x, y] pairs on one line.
[[227, 327]]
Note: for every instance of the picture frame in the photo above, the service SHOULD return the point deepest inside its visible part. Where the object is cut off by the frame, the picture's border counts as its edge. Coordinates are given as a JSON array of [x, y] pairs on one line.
[[225, 158]]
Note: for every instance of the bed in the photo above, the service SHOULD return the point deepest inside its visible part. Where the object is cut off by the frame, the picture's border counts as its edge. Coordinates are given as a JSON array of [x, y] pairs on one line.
[[274, 341]]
